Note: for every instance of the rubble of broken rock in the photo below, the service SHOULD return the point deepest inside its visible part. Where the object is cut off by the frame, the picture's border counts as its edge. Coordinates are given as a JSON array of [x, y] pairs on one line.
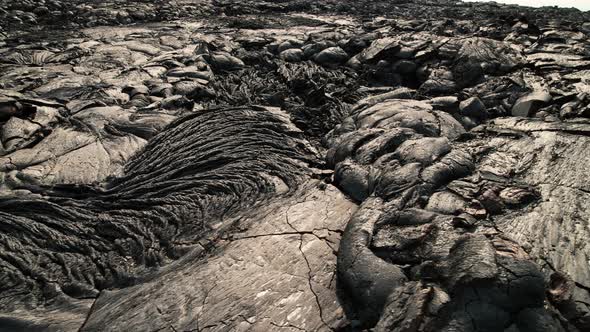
[[71, 14], [293, 165]]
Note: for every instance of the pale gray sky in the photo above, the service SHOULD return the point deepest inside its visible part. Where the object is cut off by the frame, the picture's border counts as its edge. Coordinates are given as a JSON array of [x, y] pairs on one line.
[[580, 4]]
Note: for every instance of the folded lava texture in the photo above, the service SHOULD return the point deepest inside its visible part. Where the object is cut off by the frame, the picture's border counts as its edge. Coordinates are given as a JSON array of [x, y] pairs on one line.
[[296, 165]]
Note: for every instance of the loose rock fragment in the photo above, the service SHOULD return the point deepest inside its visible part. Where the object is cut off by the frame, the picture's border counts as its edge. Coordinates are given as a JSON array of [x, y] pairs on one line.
[[528, 104]]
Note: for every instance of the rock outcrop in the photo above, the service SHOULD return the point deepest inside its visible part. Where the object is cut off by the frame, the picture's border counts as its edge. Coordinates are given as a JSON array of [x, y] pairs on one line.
[[293, 165]]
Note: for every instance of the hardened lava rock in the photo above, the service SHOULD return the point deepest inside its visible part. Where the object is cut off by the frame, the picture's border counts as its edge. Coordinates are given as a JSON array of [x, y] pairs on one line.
[[293, 166]]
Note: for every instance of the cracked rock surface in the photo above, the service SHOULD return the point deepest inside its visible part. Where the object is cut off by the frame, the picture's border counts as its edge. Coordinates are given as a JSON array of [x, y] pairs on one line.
[[293, 166], [246, 284]]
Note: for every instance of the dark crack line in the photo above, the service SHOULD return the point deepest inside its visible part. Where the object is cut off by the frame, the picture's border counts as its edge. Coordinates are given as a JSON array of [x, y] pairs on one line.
[[578, 284], [90, 312], [326, 241], [312, 232], [317, 299], [332, 279], [198, 329], [309, 271], [245, 319], [289, 222], [544, 259], [582, 286], [264, 235]]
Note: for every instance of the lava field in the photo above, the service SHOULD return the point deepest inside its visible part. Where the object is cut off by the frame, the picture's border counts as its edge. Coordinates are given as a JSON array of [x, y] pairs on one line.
[[294, 165]]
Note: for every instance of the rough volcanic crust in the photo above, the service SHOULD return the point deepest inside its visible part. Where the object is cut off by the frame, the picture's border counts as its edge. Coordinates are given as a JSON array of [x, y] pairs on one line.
[[173, 192], [413, 166]]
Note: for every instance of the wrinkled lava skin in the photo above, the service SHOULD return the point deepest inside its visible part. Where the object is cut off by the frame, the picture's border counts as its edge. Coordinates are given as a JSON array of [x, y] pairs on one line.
[[294, 165]]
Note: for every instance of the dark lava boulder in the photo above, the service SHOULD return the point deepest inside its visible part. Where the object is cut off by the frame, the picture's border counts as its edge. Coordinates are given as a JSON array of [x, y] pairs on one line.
[[331, 56]]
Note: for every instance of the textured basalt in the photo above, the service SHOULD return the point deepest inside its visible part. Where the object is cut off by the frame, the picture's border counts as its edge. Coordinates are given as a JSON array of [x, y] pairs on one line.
[[293, 166]]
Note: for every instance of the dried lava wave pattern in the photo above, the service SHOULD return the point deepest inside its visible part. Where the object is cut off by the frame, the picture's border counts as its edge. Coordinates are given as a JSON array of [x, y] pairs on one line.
[[203, 167], [423, 170]]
